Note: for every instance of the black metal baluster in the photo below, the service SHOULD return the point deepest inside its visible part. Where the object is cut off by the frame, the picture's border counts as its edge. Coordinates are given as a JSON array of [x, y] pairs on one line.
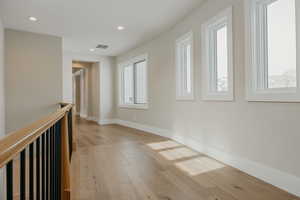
[[51, 164], [38, 169], [55, 162], [58, 159], [47, 164], [31, 171], [23, 175], [9, 180], [70, 131], [43, 167]]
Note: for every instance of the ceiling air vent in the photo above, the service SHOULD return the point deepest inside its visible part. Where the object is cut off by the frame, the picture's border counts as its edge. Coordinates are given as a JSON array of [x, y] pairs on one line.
[[102, 46]]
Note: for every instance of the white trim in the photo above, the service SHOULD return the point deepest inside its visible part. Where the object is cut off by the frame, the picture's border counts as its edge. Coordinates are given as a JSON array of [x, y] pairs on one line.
[[208, 28], [143, 127], [84, 116], [135, 106], [107, 121], [255, 45], [280, 179], [90, 118], [181, 93], [120, 86], [77, 73]]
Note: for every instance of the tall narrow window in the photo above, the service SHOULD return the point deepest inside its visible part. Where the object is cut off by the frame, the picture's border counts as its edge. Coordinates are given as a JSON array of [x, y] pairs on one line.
[[140, 82], [217, 63], [281, 23], [222, 60], [128, 84], [272, 73], [184, 67], [133, 83]]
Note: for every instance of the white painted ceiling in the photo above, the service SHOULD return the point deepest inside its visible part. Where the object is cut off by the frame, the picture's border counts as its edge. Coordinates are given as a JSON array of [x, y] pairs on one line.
[[85, 23]]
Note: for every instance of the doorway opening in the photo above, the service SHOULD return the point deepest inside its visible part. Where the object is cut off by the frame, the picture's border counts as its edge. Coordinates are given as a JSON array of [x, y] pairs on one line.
[[86, 89]]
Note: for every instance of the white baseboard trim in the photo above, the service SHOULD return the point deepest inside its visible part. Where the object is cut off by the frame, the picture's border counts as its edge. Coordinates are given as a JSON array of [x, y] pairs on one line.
[[84, 116], [107, 121], [94, 119], [142, 127], [270, 175]]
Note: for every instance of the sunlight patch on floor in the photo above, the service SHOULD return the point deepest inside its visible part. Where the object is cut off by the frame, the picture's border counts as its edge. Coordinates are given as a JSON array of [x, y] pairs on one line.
[[163, 145], [199, 165], [178, 153]]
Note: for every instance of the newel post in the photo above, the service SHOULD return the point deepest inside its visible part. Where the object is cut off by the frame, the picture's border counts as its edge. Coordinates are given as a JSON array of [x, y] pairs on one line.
[[65, 162]]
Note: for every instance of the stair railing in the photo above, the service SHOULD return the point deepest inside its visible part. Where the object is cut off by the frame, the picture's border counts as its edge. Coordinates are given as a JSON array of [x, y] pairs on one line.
[[37, 158]]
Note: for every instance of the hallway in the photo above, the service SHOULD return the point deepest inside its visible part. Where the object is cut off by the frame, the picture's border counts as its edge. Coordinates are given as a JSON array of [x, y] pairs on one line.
[[118, 163]]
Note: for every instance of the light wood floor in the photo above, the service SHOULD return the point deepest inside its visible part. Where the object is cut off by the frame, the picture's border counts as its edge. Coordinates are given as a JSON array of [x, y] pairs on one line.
[[118, 163]]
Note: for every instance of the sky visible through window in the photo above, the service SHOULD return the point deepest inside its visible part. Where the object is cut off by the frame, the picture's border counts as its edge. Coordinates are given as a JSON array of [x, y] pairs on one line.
[[281, 44], [140, 82], [222, 60], [188, 69], [128, 84]]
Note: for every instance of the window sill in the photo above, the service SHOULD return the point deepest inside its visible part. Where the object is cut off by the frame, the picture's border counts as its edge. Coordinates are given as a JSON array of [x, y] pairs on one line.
[[274, 96], [135, 106]]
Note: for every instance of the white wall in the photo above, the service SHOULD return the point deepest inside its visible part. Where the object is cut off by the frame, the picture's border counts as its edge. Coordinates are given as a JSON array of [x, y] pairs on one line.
[[107, 104], [33, 78], [107, 67], [67, 78], [2, 108], [241, 133]]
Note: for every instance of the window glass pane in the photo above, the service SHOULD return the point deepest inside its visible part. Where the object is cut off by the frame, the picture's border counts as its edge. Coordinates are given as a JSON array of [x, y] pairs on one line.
[[281, 44], [222, 60], [140, 83], [128, 84], [188, 69]]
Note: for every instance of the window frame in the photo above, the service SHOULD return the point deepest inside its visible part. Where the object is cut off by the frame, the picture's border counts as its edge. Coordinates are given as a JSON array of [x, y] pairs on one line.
[[209, 64], [181, 92], [255, 56], [121, 66]]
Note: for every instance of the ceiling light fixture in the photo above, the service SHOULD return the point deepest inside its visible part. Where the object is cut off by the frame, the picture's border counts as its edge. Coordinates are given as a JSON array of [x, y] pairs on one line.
[[92, 49], [120, 28], [34, 19]]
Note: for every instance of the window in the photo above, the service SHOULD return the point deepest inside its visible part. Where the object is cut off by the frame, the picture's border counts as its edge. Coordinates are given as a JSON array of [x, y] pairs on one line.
[[133, 83], [272, 73], [184, 68], [217, 64]]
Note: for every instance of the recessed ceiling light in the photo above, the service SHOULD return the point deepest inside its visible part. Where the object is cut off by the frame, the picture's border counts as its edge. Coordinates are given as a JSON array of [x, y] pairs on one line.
[[121, 28], [34, 19], [92, 49]]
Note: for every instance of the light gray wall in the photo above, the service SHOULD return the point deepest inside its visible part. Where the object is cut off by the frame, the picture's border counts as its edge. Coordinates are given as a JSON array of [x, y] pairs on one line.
[[93, 88], [33, 77], [267, 133], [2, 106], [107, 89]]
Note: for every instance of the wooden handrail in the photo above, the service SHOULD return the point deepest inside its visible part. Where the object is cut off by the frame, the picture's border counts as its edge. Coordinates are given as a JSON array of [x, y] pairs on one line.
[[15, 142]]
